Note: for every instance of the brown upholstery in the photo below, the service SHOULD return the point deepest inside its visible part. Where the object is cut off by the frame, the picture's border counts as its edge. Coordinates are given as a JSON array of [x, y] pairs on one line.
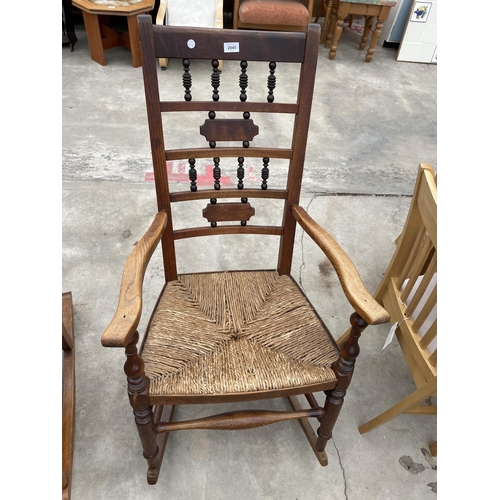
[[235, 332], [274, 12]]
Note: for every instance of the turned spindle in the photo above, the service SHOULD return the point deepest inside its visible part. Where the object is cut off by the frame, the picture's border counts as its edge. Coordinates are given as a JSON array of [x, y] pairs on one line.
[[271, 82], [243, 81], [192, 174], [265, 173], [186, 80]]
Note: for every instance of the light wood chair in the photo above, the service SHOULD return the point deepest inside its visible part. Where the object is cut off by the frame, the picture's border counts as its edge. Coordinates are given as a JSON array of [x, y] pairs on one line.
[[194, 13], [408, 291], [277, 15], [339, 10], [232, 336], [68, 393]]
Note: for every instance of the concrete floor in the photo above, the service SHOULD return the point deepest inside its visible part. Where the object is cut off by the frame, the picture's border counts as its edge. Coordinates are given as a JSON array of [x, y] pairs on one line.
[[372, 124]]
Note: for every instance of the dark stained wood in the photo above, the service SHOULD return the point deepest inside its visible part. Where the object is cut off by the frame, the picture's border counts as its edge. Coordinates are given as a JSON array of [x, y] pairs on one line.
[[229, 130], [157, 143], [182, 154], [241, 396], [172, 42], [205, 194], [252, 107], [249, 46], [309, 431], [224, 212], [300, 132], [68, 394], [344, 367], [236, 420], [212, 231]]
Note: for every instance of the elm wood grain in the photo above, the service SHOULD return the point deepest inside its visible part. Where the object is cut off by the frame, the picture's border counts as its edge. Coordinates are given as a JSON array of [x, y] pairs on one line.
[[356, 293], [271, 47], [202, 194], [182, 154], [229, 130], [237, 420], [309, 431], [224, 212], [129, 309], [209, 44], [68, 394], [252, 107], [300, 133], [212, 231], [155, 124]]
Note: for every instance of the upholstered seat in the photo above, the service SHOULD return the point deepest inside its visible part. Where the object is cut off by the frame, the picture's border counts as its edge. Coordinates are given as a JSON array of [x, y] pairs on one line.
[[235, 332], [275, 12]]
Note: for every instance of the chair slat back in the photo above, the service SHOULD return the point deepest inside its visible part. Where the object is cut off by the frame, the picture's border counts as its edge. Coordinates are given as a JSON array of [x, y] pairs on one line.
[[409, 287], [244, 46]]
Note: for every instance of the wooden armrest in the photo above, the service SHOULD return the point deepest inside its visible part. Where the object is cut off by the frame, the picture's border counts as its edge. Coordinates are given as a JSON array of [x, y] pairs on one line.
[[128, 313], [354, 289]]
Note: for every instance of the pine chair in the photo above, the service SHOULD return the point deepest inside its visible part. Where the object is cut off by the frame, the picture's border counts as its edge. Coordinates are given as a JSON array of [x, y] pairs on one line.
[[277, 15], [408, 291], [232, 336]]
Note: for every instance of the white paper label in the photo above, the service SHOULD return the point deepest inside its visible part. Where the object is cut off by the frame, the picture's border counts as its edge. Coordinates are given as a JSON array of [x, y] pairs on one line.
[[389, 338], [191, 43], [231, 46]]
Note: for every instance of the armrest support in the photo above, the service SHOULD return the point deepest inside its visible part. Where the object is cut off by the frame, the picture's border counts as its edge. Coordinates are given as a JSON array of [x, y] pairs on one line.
[[128, 313], [354, 289]]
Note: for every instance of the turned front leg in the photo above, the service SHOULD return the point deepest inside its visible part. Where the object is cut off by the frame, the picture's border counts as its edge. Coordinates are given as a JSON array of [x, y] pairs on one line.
[[366, 32], [138, 385], [375, 37], [343, 367], [339, 25]]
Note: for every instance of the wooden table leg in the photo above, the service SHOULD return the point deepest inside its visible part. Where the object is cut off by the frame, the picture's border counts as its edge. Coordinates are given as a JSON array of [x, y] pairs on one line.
[[336, 36], [366, 32], [135, 46], [327, 20], [384, 14], [93, 31]]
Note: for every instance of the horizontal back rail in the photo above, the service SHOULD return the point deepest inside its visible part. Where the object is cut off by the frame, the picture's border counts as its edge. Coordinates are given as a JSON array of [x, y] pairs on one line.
[[193, 232], [182, 154], [235, 45], [206, 194], [229, 106]]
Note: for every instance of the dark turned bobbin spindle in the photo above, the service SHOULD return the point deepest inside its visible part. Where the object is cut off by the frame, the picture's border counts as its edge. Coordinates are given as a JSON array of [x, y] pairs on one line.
[[216, 173], [215, 79], [213, 201], [271, 82], [192, 174], [244, 200], [186, 80], [265, 173], [240, 172], [246, 116], [211, 115], [243, 81]]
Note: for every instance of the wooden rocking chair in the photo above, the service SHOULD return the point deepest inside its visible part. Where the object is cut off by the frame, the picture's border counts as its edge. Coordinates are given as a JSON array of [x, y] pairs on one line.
[[232, 336]]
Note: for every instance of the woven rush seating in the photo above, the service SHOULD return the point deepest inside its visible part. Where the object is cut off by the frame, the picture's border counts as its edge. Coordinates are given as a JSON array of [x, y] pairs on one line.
[[235, 332]]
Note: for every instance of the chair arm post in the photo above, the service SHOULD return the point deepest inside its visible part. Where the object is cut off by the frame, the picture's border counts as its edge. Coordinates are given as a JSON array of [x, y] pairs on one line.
[[344, 368], [128, 313], [352, 285]]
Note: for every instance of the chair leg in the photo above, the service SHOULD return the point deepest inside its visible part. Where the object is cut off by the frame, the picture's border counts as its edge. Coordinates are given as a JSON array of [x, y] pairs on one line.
[[138, 388], [344, 368], [366, 32], [328, 15], [375, 37], [412, 400], [339, 25]]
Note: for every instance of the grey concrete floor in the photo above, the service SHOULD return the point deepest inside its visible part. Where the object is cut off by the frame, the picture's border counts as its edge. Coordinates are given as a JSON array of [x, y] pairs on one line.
[[372, 124]]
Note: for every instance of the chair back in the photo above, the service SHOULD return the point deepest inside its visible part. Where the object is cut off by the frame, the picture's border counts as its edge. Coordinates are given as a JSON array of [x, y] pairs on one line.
[[409, 287], [223, 150]]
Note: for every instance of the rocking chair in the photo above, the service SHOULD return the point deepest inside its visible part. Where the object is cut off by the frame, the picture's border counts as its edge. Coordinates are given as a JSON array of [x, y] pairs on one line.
[[232, 336]]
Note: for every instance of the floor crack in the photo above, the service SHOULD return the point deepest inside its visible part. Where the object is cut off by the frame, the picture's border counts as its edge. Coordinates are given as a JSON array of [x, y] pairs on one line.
[[303, 263], [343, 470]]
